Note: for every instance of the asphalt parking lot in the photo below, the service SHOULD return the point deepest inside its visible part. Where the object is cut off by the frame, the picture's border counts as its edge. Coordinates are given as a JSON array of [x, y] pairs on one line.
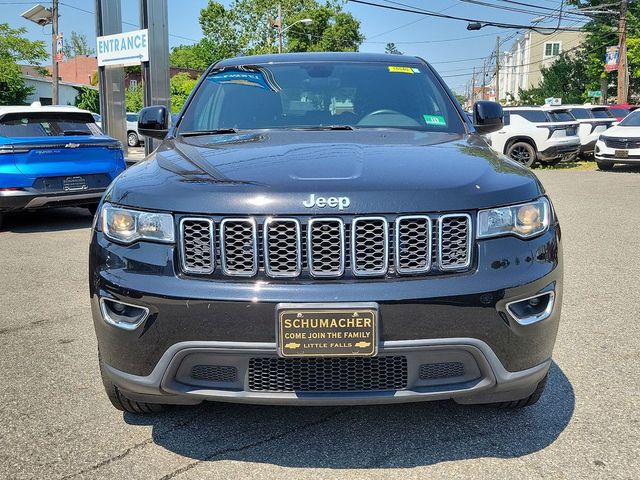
[[56, 422]]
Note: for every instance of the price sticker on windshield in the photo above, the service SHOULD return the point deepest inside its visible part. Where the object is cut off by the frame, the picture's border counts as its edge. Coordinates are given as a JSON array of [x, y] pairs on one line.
[[435, 120], [395, 69]]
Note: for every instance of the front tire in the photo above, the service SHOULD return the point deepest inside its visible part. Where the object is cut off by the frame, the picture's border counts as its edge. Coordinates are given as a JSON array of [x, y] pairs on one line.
[[527, 401], [122, 403], [605, 166], [132, 139], [522, 152]]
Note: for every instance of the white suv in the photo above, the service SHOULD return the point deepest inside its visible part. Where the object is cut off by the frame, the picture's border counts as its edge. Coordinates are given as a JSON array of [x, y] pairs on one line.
[[620, 144], [548, 135], [594, 121]]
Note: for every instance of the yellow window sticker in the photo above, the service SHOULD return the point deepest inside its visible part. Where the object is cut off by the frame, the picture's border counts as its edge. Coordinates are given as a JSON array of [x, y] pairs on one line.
[[394, 69]]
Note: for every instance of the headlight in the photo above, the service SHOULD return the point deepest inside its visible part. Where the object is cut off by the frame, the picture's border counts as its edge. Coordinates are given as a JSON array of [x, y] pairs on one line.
[[127, 226], [526, 220]]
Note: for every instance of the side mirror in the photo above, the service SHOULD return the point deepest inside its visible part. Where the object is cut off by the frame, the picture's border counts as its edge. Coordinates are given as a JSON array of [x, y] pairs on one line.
[[154, 122], [487, 117]]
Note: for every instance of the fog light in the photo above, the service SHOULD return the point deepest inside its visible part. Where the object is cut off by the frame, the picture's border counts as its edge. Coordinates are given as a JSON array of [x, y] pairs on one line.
[[122, 315], [533, 309]]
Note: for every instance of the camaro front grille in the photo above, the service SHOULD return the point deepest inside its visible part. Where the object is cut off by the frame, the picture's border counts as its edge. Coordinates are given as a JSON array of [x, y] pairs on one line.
[[622, 143], [317, 374], [326, 247]]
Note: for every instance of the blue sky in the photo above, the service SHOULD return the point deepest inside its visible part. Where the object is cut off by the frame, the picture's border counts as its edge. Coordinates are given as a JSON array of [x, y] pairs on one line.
[[445, 43]]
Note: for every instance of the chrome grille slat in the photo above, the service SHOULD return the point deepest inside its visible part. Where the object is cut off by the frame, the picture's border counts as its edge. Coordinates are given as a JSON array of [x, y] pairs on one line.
[[239, 247], [197, 245], [454, 241], [326, 247], [369, 246], [282, 247], [413, 244]]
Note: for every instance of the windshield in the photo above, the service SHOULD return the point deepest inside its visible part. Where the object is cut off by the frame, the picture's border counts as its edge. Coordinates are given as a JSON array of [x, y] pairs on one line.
[[47, 124], [631, 120], [321, 94]]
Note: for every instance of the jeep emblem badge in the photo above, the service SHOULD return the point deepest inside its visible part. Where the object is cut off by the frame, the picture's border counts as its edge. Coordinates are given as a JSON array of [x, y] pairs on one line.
[[340, 202]]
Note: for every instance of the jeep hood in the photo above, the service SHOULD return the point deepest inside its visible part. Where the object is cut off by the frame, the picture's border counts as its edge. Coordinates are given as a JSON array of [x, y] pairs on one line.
[[274, 172]]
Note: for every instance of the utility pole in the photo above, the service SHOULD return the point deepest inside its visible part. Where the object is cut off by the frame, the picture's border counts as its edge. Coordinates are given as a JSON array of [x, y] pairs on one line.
[[473, 86], [498, 69], [279, 28], [54, 51], [623, 76], [484, 79]]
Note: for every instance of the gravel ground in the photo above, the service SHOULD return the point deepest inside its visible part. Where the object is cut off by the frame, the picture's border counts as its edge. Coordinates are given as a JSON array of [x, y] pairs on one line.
[[57, 422]]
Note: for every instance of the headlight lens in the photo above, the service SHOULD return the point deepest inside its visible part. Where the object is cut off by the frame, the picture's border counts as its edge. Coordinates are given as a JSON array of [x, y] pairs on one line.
[[526, 220], [127, 226]]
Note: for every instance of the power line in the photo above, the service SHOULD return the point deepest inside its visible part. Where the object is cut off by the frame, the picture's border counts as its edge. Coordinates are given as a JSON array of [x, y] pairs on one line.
[[419, 11]]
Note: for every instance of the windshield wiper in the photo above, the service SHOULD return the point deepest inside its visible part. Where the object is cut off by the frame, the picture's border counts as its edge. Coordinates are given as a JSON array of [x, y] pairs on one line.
[[325, 127], [215, 131], [75, 132]]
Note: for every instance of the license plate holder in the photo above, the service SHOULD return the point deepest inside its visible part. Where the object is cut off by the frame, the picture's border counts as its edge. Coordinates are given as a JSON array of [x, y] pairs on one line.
[[622, 153], [327, 330], [74, 184]]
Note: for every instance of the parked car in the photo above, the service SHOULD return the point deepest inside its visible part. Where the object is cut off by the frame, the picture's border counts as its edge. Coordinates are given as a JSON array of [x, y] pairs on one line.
[[54, 156], [97, 118], [593, 120], [620, 144], [133, 137], [284, 252], [530, 134]]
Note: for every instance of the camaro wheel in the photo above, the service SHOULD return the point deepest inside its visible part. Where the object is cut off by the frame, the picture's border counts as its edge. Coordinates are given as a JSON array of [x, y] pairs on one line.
[[132, 139], [605, 165], [523, 153], [119, 401]]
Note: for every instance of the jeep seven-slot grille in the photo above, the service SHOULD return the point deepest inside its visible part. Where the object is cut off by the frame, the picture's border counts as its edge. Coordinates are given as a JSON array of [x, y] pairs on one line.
[[326, 247], [339, 374]]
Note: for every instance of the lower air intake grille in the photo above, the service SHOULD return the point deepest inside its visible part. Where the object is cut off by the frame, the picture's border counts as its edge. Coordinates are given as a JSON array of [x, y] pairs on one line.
[[340, 374], [214, 373], [430, 371]]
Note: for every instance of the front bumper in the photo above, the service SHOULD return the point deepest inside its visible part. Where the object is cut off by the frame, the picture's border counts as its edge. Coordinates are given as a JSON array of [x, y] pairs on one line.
[[11, 200], [606, 154], [457, 318]]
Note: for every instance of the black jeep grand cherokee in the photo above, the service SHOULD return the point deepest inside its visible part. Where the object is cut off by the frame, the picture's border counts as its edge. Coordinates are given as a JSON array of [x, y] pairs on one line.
[[324, 229]]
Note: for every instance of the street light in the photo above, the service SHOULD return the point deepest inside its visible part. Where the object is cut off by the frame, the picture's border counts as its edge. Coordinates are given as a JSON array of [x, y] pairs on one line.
[[278, 23], [41, 15]]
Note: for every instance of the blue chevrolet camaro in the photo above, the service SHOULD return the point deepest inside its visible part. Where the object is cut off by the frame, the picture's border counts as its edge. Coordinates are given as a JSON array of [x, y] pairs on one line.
[[54, 156]]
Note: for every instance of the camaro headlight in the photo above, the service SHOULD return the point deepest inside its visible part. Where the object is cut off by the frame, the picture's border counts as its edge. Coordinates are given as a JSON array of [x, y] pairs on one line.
[[525, 220], [127, 226]]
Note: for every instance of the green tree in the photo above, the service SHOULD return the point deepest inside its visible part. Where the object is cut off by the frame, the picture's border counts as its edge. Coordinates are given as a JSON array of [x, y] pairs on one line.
[[77, 45], [133, 99], [391, 48], [14, 48], [88, 99], [567, 78], [246, 27], [180, 86]]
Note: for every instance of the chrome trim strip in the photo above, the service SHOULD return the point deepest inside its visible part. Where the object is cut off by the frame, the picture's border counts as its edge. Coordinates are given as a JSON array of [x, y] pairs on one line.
[[223, 255], [313, 273], [406, 271], [546, 313], [122, 325], [369, 273], [265, 233], [469, 241], [212, 245]]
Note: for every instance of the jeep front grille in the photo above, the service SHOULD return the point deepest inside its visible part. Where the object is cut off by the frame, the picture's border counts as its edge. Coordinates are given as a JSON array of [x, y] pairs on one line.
[[326, 247]]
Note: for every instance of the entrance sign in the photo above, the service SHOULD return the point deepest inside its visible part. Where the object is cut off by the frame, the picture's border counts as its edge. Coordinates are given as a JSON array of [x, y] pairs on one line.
[[128, 48]]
